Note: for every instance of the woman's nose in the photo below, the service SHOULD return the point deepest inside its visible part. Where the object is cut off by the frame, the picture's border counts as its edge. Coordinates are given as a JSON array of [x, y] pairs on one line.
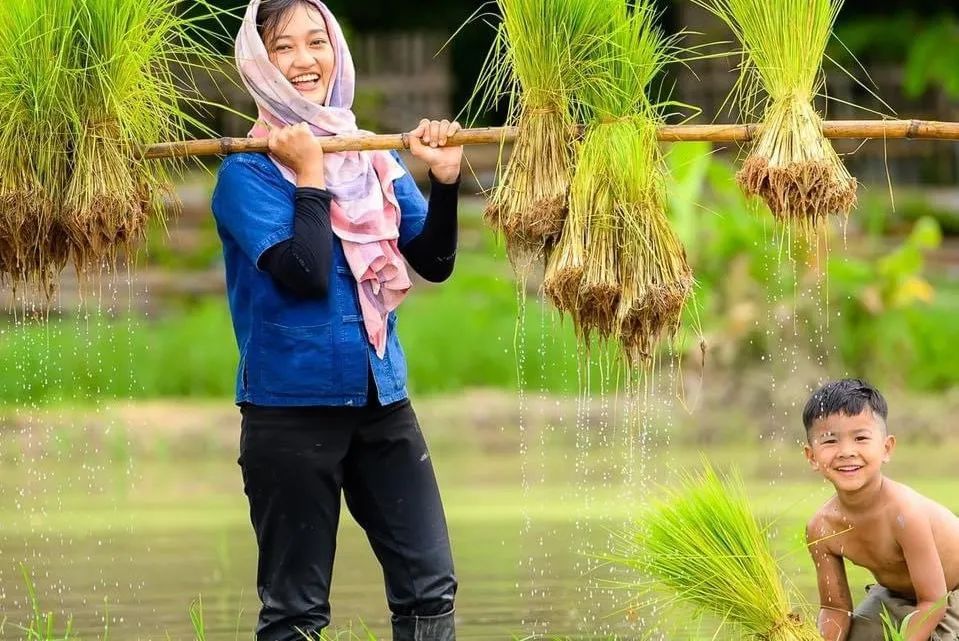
[[304, 58]]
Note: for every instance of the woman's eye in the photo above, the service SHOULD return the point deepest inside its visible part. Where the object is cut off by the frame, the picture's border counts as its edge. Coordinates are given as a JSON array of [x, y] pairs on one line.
[[318, 43]]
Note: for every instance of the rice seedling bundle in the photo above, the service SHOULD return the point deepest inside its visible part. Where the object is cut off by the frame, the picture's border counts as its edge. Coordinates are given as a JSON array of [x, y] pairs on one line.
[[87, 82], [618, 268], [34, 135], [704, 549], [542, 48], [655, 278], [791, 166]]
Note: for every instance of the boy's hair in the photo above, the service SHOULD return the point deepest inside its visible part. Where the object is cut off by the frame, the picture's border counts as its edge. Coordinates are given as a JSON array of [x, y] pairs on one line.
[[849, 396]]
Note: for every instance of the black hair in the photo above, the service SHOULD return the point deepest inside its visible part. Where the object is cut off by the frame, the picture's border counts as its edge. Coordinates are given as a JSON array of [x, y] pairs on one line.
[[849, 396], [271, 12]]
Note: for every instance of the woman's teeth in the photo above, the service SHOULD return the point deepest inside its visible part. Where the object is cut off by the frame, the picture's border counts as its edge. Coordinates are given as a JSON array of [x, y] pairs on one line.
[[306, 82]]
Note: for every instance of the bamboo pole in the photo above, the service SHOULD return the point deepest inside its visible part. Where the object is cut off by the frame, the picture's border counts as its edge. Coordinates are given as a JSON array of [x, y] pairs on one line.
[[858, 129]]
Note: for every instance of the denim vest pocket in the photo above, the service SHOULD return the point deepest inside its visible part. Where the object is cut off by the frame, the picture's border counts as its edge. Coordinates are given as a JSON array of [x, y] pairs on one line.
[[297, 361]]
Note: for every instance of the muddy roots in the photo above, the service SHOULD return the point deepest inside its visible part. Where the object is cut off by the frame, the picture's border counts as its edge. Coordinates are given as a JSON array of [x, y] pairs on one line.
[[801, 192], [529, 204]]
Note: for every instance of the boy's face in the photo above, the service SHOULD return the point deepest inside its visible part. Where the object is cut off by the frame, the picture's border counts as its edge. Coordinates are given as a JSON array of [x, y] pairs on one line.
[[849, 450]]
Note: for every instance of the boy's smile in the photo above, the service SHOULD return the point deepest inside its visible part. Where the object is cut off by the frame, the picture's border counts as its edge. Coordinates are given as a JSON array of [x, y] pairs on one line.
[[849, 450]]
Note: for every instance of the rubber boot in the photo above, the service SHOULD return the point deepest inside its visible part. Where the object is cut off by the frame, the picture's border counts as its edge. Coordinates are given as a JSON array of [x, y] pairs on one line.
[[414, 628]]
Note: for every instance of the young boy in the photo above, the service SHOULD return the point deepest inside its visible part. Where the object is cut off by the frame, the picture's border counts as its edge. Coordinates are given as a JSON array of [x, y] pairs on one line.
[[909, 542]]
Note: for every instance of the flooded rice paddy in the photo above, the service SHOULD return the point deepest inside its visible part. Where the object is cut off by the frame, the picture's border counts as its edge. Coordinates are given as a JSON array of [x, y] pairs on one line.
[[124, 543]]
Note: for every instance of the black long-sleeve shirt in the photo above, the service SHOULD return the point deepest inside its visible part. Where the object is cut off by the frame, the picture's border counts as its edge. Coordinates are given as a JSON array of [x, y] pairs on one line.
[[302, 264]]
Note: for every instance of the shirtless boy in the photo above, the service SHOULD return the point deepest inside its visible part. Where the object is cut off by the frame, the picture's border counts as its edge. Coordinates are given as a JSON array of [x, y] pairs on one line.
[[908, 542]]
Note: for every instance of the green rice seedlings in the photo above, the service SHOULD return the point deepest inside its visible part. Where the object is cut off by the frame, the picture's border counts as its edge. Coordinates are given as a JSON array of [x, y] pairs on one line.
[[542, 48], [567, 261], [890, 630], [128, 94], [34, 137], [197, 619], [791, 165], [703, 549], [84, 84], [654, 275], [618, 268], [593, 197]]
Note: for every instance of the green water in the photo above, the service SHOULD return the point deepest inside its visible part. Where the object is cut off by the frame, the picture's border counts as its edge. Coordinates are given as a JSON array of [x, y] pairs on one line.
[[127, 545]]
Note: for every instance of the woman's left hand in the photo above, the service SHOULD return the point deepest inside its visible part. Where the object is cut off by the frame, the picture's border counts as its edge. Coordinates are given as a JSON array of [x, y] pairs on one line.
[[428, 143]]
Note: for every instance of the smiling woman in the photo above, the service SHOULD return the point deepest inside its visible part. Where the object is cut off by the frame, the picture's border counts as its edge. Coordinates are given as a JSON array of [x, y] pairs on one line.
[[316, 247], [296, 38]]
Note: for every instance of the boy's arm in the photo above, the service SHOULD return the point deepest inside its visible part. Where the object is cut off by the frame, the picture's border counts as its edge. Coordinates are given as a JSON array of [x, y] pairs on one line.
[[914, 534], [835, 601]]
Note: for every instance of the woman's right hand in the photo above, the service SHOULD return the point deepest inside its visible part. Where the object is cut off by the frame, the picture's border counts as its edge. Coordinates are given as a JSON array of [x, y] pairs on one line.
[[301, 151]]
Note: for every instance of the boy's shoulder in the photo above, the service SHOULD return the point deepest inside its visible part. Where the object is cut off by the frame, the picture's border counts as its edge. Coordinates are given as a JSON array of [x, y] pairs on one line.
[[907, 505], [902, 499], [825, 522], [895, 502]]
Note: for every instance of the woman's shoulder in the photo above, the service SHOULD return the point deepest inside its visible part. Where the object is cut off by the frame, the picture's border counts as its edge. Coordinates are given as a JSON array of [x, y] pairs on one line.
[[248, 179], [246, 174], [247, 163]]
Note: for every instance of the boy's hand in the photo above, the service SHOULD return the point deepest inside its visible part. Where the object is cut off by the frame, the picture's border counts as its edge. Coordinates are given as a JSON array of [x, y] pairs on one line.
[[428, 143]]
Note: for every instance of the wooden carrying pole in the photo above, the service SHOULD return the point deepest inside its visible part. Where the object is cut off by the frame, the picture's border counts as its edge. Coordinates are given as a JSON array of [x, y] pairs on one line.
[[861, 129]]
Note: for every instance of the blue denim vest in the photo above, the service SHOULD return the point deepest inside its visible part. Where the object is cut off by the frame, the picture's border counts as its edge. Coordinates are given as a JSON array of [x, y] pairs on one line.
[[295, 351]]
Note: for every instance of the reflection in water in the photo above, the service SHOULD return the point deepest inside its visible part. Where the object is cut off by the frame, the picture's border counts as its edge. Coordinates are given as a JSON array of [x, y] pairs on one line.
[[140, 551], [144, 583]]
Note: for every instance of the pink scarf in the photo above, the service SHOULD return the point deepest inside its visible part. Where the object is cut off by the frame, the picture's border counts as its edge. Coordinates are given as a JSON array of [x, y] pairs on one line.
[[364, 212]]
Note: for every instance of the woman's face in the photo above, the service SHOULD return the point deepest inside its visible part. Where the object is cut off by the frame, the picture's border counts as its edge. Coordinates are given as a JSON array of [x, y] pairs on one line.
[[301, 49]]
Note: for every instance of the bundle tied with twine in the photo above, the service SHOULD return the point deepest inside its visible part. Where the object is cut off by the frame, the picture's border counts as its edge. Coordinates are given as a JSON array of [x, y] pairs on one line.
[[791, 166], [701, 548], [619, 269], [85, 84], [541, 50]]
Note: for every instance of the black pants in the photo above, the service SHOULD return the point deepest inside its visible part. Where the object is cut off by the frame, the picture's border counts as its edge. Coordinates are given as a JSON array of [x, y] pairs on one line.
[[295, 462]]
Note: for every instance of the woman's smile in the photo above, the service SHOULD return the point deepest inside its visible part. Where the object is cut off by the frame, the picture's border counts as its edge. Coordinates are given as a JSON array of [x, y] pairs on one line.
[[301, 48], [306, 82]]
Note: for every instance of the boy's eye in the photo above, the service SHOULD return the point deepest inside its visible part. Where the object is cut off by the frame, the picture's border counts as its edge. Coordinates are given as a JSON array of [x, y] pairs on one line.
[[827, 441], [862, 438]]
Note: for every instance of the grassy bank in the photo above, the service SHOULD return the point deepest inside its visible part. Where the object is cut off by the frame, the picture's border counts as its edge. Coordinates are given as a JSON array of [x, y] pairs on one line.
[[456, 336], [459, 335]]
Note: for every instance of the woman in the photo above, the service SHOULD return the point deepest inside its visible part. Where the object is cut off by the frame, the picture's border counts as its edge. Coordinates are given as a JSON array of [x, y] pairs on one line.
[[314, 248]]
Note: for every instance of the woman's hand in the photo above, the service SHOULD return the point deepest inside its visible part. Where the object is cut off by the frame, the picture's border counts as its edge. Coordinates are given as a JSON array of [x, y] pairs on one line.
[[428, 143], [301, 151]]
